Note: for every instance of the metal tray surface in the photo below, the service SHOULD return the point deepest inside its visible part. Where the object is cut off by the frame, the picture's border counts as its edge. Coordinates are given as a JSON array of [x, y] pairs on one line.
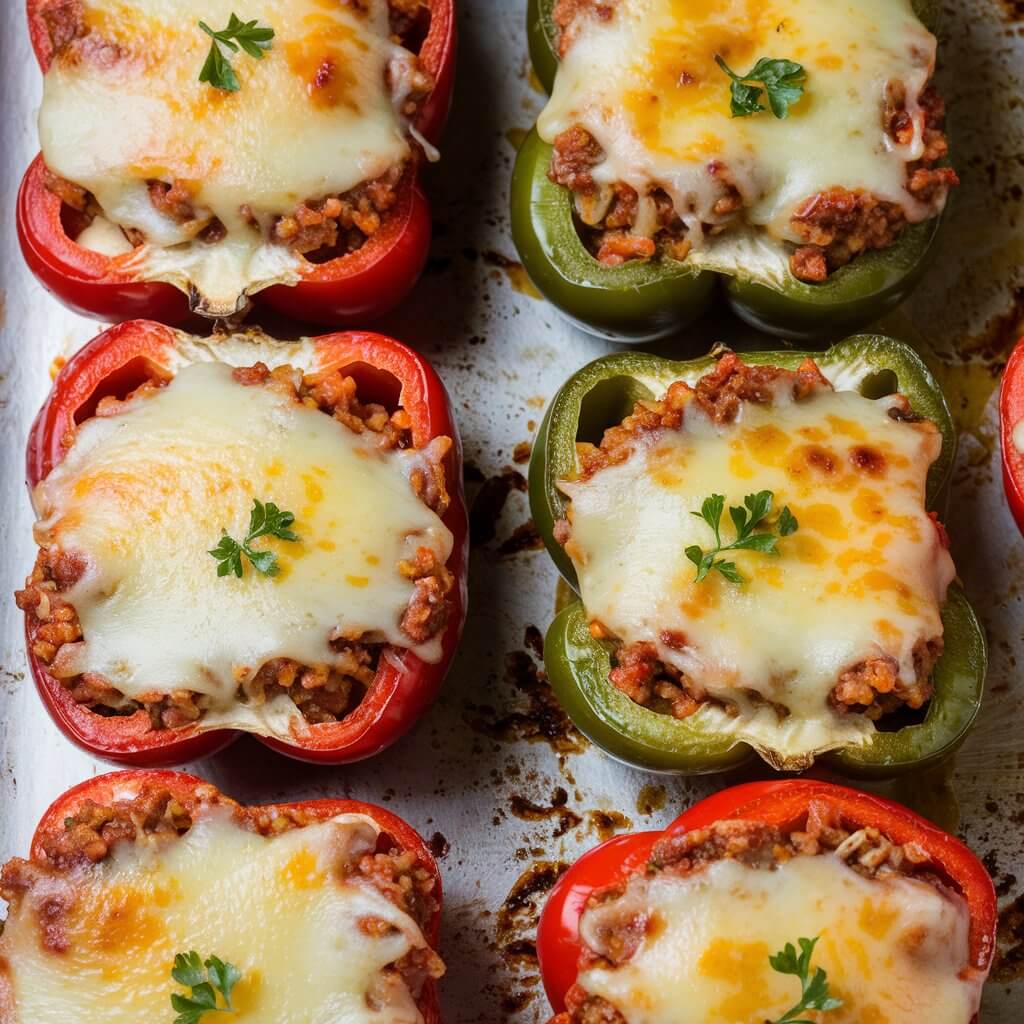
[[507, 792]]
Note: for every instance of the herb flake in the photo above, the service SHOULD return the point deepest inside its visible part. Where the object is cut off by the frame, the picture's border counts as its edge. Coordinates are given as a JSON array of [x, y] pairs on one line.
[[205, 979], [755, 512], [782, 81], [217, 70], [814, 990], [265, 520]]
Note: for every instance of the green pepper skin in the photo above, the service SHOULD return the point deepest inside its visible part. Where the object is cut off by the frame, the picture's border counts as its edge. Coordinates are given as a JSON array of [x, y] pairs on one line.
[[643, 301], [599, 396], [635, 302]]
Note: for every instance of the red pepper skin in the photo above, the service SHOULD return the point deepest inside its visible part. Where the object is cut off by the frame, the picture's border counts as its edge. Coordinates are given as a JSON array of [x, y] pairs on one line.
[[1011, 412], [103, 789], [120, 359], [773, 803], [355, 287]]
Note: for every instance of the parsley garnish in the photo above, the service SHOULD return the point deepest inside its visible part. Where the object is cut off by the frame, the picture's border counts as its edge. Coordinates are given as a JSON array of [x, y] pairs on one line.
[[254, 40], [783, 80], [218, 976], [746, 520], [815, 992], [264, 520]]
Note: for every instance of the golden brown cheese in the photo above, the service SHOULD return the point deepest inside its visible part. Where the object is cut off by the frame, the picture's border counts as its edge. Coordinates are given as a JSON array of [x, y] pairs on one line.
[[864, 577], [274, 907], [896, 949]]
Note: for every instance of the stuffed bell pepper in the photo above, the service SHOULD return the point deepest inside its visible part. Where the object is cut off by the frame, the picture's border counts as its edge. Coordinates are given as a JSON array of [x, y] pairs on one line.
[[239, 534], [1011, 418], [792, 150], [198, 154], [757, 560], [776, 902], [149, 895]]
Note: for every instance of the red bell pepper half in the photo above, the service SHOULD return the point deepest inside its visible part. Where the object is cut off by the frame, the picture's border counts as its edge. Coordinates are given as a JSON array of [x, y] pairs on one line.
[[357, 286], [1011, 415], [105, 789], [772, 803], [118, 361]]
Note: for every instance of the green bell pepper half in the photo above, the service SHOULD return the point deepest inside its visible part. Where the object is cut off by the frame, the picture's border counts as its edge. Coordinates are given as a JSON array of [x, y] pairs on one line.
[[641, 301], [599, 396]]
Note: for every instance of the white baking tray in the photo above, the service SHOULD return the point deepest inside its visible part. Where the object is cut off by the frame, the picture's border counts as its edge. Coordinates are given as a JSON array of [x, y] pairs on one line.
[[464, 774]]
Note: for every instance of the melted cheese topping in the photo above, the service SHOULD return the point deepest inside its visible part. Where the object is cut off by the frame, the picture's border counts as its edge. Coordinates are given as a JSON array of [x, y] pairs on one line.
[[896, 950], [645, 84], [145, 494], [274, 907], [863, 577], [313, 117]]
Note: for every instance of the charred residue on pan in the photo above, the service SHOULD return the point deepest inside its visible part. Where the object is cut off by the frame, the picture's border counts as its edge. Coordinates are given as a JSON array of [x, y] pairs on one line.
[[516, 924], [651, 799], [489, 503], [542, 719], [1009, 961], [439, 846], [514, 271], [605, 824], [488, 506], [557, 810]]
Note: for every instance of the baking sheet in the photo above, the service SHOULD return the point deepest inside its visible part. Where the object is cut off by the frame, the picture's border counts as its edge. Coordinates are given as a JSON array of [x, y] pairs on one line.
[[508, 793]]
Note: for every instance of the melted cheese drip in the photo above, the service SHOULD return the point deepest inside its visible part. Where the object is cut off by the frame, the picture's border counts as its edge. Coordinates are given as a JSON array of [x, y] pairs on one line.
[[144, 494], [863, 577], [134, 110], [274, 907], [645, 84], [894, 948]]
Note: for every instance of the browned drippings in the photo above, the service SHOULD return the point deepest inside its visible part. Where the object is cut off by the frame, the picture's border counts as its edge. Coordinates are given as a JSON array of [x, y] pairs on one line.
[[543, 720], [439, 846], [527, 810], [605, 824], [525, 537], [651, 799], [1009, 960], [522, 906], [485, 512]]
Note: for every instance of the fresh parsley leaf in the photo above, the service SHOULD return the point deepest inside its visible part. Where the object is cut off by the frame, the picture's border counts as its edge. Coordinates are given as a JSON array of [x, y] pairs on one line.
[[787, 523], [765, 543], [756, 510], [269, 519], [217, 70], [729, 571], [814, 992], [265, 520], [188, 969], [782, 81], [224, 977], [205, 979]]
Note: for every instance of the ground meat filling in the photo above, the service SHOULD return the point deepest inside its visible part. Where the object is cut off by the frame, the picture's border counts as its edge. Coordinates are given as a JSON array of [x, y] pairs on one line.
[[94, 829], [322, 693], [320, 228], [761, 847], [873, 687], [835, 226]]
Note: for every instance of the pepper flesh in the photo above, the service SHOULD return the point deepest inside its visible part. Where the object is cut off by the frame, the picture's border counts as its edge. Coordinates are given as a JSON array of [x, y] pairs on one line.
[[122, 358], [357, 286], [600, 396], [606, 300], [1011, 414], [773, 803]]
